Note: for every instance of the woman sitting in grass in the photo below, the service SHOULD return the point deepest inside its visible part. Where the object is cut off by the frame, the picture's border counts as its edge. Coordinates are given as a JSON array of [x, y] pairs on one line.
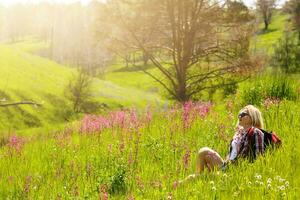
[[248, 142]]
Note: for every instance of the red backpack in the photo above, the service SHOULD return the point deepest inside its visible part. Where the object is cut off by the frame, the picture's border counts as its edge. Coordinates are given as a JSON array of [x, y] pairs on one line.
[[270, 138]]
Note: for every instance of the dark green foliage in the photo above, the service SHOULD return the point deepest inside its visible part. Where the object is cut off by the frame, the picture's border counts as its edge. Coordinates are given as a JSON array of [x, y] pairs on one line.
[[118, 184], [229, 89], [287, 53], [252, 94]]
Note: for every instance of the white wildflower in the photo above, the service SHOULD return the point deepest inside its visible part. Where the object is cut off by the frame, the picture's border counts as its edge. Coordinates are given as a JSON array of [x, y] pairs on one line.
[[257, 176], [214, 188], [211, 182], [269, 186], [269, 181], [249, 183], [281, 180], [286, 184], [235, 194], [281, 187]]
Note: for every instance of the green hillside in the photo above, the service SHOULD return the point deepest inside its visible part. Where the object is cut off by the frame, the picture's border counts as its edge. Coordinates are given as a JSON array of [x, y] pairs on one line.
[[264, 40], [25, 76]]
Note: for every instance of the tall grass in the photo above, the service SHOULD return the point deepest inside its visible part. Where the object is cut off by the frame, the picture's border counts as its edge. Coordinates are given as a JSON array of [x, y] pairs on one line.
[[139, 156], [268, 86]]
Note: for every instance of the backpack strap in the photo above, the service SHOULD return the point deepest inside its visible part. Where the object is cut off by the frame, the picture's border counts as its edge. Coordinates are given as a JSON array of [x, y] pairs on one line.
[[250, 132], [251, 144]]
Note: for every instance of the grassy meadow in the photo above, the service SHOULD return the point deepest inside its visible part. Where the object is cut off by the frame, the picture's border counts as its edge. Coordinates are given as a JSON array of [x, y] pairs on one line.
[[144, 142], [126, 155]]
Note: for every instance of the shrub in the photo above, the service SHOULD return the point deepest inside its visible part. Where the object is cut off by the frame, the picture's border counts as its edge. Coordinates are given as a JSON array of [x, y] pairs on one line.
[[252, 94], [287, 53], [118, 185], [79, 92]]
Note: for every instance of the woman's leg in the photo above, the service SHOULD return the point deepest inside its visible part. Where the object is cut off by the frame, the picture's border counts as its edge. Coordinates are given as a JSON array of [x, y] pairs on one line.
[[208, 158]]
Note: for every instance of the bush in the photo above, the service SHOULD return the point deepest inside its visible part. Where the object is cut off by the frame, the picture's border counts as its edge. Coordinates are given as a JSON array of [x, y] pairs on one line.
[[118, 184], [79, 92], [287, 53], [252, 94]]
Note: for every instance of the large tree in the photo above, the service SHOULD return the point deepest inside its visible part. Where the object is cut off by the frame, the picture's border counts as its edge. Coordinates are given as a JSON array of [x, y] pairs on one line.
[[266, 8], [195, 44]]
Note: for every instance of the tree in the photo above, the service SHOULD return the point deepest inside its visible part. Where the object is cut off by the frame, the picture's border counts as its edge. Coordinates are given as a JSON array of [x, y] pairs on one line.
[[266, 8], [293, 7], [79, 91], [196, 45]]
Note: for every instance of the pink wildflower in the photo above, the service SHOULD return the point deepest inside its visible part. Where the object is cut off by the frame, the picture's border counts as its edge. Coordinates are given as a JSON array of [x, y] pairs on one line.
[[187, 107], [122, 146], [271, 101], [103, 195], [15, 144], [27, 184], [186, 159]]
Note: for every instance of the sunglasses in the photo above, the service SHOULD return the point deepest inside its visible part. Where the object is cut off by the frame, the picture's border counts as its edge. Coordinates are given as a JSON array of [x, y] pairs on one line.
[[242, 114]]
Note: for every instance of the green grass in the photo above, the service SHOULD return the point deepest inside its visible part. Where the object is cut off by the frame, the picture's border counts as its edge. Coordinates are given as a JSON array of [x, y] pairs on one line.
[[56, 161], [264, 41], [135, 79], [75, 166], [25, 76]]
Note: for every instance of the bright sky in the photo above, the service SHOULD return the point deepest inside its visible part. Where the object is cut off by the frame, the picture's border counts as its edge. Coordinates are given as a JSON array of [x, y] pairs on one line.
[[250, 3], [12, 2]]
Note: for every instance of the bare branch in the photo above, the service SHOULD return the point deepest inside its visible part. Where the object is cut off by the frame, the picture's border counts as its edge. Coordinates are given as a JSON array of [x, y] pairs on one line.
[[20, 103]]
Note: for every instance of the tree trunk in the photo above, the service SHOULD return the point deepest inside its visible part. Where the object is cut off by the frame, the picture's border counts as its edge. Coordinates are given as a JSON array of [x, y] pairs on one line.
[[181, 93], [266, 24], [145, 59]]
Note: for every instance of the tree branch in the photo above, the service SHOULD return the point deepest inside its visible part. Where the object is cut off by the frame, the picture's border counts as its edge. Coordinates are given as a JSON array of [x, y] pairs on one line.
[[20, 103]]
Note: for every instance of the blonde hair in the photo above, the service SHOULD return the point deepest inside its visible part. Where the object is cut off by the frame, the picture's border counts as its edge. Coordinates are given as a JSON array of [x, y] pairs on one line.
[[255, 115]]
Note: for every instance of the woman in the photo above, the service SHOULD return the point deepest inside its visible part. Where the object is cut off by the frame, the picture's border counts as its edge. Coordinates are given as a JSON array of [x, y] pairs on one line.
[[248, 142]]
